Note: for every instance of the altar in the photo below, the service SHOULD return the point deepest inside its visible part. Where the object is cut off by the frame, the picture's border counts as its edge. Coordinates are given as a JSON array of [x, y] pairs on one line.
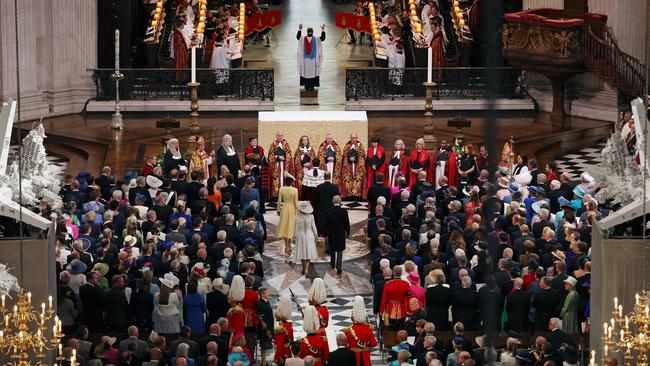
[[314, 124]]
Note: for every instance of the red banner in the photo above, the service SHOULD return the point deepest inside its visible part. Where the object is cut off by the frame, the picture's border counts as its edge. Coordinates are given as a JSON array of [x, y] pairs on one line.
[[260, 22], [351, 21]]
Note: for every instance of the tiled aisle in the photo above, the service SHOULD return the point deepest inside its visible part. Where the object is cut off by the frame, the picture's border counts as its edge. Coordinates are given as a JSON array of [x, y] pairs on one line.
[[575, 162]]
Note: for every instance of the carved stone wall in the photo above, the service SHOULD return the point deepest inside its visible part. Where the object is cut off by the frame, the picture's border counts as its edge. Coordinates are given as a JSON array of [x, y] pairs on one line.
[[57, 43]]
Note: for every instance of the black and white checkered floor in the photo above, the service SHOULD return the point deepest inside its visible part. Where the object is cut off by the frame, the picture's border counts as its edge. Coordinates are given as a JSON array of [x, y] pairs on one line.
[[576, 162]]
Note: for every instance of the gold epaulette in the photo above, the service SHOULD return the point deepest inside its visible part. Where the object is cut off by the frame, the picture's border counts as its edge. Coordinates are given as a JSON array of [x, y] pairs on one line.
[[236, 309], [280, 329], [346, 330]]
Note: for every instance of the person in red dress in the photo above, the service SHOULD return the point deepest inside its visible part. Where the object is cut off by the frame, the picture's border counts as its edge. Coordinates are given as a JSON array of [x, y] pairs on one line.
[[398, 163], [284, 330], [419, 161], [394, 300], [180, 48], [360, 336], [314, 344], [249, 305], [375, 163], [235, 315], [443, 162]]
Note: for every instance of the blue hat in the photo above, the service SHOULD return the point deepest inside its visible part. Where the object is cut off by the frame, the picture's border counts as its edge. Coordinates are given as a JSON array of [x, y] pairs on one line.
[[532, 189], [579, 191], [563, 202], [513, 186], [507, 199], [536, 206], [83, 175], [459, 340], [168, 245], [516, 196], [76, 267], [541, 190]]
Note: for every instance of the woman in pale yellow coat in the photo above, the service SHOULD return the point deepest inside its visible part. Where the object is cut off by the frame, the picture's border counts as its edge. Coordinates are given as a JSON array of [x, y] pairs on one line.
[[287, 210]]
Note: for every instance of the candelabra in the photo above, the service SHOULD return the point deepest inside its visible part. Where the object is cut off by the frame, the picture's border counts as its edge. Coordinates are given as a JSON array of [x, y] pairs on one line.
[[628, 334], [24, 332], [116, 122]]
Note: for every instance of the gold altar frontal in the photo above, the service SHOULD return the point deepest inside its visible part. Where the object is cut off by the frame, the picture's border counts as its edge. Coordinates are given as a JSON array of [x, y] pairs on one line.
[[316, 125]]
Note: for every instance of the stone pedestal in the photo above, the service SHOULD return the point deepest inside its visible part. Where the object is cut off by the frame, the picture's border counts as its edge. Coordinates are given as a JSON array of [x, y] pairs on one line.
[[308, 97]]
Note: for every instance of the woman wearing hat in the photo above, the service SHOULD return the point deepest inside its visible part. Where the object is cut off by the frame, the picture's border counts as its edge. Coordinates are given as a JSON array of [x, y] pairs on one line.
[[284, 330], [360, 335], [169, 314], [306, 235], [569, 313], [287, 210]]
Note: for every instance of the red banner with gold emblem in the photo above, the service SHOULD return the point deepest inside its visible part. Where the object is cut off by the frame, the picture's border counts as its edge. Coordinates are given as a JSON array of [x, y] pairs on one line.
[[351, 21], [260, 22]]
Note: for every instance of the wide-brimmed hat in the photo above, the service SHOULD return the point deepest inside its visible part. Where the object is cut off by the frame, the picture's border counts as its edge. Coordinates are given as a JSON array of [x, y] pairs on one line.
[[130, 240], [132, 184], [559, 255], [201, 269], [579, 191], [504, 171], [563, 202], [305, 207], [513, 186], [503, 182], [541, 190], [179, 245], [101, 268], [76, 267], [413, 278], [153, 181], [169, 280], [571, 281], [523, 356], [110, 340]]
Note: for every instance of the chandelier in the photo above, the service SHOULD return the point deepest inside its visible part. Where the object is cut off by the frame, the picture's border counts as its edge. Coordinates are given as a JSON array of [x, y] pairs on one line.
[[628, 334], [24, 333]]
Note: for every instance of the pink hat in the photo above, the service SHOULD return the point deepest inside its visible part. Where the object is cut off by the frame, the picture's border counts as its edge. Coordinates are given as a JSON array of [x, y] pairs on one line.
[[413, 278]]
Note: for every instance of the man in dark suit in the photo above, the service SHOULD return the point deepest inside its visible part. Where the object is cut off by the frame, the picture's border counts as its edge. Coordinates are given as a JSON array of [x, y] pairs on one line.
[[265, 328], [518, 244], [558, 281], [192, 188], [518, 307], [214, 336], [142, 347], [372, 221], [177, 185], [464, 303], [232, 189], [324, 194], [546, 304], [212, 350], [438, 300], [92, 301], [337, 229], [117, 307], [216, 302], [377, 190], [140, 192], [105, 181], [75, 195], [174, 235], [186, 333], [342, 355], [557, 337]]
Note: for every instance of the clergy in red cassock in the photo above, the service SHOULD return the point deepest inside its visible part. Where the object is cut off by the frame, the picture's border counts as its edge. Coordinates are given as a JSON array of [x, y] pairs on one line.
[[352, 168], [360, 336], [419, 161], [301, 159], [329, 154], [375, 162], [443, 162], [180, 48], [437, 48], [398, 163], [279, 159]]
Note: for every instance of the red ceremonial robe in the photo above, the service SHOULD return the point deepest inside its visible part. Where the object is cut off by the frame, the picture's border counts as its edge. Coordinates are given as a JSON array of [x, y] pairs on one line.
[[180, 53], [394, 299], [277, 167], [377, 155], [324, 317], [402, 165], [360, 339], [451, 171], [298, 166], [316, 346], [351, 182], [236, 321], [419, 160], [282, 339], [253, 155], [248, 304], [437, 55]]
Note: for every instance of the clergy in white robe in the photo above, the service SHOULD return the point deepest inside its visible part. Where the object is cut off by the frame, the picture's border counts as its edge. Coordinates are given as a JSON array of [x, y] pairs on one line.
[[221, 61], [310, 57]]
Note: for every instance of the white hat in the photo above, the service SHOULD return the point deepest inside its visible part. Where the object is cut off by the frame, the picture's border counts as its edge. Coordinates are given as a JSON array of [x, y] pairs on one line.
[[153, 181], [284, 306], [305, 207], [359, 310], [130, 240], [311, 321], [318, 292], [237, 288], [217, 283], [571, 281], [169, 280], [179, 245]]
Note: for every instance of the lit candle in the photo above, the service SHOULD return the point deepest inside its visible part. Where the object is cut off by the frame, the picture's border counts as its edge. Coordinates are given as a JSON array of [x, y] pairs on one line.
[[606, 350], [15, 309], [429, 63], [636, 298], [60, 349], [60, 323], [49, 300], [592, 362], [3, 300], [605, 329], [609, 332], [615, 303], [620, 311], [646, 311], [623, 336], [612, 321], [117, 53], [6, 321], [193, 64], [42, 309], [29, 297], [38, 334], [627, 323]]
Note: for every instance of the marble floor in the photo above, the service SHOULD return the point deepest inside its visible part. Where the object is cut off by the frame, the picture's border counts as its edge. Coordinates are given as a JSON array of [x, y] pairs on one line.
[[282, 54]]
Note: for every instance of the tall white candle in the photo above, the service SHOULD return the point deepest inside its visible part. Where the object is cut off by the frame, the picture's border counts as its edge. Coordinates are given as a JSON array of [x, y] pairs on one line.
[[429, 63], [117, 49], [193, 64]]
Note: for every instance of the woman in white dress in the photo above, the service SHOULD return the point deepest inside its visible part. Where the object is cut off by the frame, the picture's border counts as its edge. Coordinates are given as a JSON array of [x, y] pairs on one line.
[[305, 235]]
